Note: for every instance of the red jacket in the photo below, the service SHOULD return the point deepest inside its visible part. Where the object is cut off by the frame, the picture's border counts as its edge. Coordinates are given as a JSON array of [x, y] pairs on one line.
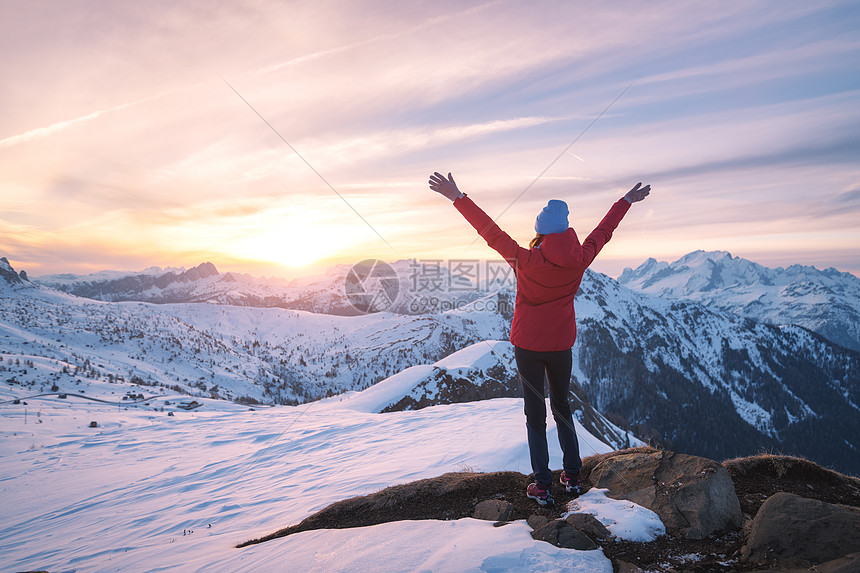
[[548, 276]]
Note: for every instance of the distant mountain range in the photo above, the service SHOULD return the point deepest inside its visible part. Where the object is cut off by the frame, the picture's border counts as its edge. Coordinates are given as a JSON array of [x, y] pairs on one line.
[[694, 375], [821, 301], [825, 301], [417, 288]]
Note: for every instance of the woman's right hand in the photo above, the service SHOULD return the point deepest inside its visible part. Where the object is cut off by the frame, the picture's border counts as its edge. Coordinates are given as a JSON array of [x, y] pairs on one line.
[[443, 186], [637, 193]]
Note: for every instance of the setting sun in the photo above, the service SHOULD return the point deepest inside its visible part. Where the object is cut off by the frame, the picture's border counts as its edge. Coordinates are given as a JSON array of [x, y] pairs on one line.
[[293, 242]]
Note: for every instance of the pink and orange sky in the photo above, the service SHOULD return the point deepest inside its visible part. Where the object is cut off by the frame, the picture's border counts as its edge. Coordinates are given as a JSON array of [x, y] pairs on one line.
[[122, 145]]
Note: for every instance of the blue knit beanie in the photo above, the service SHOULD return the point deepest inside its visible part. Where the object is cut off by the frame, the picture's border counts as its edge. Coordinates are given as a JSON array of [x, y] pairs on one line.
[[553, 218]]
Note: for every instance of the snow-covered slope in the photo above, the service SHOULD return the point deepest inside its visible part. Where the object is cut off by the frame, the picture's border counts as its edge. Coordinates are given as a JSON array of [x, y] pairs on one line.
[[826, 302], [478, 372], [147, 491]]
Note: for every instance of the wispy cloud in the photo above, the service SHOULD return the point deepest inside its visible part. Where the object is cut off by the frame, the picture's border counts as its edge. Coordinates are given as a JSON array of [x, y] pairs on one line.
[[49, 130], [387, 37]]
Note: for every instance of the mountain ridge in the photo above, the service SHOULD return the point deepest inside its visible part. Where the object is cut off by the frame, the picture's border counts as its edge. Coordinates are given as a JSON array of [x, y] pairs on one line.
[[824, 301]]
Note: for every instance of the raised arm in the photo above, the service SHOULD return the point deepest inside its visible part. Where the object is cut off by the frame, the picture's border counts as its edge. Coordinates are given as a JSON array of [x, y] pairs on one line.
[[598, 238], [497, 239]]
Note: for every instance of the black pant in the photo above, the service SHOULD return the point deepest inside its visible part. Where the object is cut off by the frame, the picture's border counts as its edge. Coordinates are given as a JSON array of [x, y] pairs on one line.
[[553, 367]]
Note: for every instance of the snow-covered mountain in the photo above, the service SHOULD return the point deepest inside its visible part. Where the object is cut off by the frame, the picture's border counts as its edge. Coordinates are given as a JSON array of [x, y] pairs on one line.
[[708, 381], [267, 355], [826, 302], [702, 381]]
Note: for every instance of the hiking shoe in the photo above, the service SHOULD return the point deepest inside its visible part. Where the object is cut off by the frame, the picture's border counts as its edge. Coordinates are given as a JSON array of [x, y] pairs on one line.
[[570, 481], [539, 494]]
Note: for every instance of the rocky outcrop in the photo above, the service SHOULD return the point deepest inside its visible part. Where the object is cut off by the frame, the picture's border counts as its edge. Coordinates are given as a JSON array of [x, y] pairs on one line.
[[793, 531], [693, 496], [590, 525], [562, 534], [7, 273], [494, 510]]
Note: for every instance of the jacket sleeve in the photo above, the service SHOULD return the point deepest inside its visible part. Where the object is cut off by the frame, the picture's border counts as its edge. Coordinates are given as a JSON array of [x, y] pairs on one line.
[[497, 239], [601, 234]]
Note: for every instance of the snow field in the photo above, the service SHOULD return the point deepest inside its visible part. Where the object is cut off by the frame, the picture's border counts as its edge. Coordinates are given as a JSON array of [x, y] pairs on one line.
[[465, 545], [146, 491]]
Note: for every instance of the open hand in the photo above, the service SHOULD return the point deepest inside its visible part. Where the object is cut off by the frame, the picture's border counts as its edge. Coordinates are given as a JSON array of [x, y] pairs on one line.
[[637, 193], [443, 186]]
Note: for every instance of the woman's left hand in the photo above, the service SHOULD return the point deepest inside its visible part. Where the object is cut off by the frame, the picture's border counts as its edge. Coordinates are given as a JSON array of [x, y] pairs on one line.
[[637, 193], [443, 186]]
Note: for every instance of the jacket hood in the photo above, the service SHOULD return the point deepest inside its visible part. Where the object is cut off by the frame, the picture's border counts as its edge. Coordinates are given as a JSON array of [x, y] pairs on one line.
[[562, 249]]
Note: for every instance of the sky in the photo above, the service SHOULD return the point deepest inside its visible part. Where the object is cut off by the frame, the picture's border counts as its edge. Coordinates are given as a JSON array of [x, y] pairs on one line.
[[279, 137]]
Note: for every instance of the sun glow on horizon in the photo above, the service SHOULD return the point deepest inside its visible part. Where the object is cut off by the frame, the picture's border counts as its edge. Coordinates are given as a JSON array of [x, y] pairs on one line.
[[293, 242]]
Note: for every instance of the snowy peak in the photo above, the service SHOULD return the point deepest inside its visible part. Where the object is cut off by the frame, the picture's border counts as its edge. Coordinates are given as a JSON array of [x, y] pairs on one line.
[[712, 270], [199, 272], [695, 272], [827, 302]]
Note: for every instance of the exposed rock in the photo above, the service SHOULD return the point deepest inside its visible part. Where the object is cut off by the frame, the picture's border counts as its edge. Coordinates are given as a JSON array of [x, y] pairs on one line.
[[562, 534], [494, 510], [693, 496], [588, 524], [537, 521], [8, 273], [794, 531]]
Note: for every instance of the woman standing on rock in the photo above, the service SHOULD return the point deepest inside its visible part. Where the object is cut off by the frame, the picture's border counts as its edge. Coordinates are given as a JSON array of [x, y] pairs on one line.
[[544, 328]]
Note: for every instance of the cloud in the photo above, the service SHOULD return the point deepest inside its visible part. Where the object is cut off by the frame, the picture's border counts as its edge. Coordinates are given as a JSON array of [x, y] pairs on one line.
[[388, 145], [850, 196], [843, 150], [386, 37], [47, 131]]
